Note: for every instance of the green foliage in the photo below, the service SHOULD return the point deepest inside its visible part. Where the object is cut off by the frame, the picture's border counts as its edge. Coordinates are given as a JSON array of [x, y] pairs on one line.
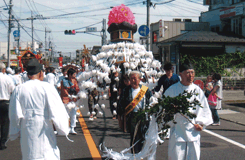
[[207, 65], [167, 107]]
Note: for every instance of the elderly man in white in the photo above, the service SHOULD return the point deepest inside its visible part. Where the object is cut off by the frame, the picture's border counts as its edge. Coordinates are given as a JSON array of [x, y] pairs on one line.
[[6, 88], [34, 107], [184, 142]]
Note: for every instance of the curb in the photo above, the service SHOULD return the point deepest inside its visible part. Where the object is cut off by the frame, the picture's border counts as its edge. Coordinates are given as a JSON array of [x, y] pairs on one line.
[[233, 121]]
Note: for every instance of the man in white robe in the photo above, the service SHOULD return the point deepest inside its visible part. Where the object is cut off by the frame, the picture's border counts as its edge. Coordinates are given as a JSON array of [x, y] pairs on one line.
[[35, 107], [50, 77], [184, 142]]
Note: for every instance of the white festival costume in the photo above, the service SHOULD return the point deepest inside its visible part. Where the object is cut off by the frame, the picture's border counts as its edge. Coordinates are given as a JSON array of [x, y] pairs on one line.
[[34, 107], [183, 130]]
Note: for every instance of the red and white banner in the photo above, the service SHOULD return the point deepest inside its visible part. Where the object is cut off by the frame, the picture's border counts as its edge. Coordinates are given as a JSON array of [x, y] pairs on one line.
[[230, 12]]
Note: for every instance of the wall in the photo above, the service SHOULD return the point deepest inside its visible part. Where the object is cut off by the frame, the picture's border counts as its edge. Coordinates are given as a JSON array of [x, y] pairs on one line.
[[173, 28], [234, 48], [212, 17]]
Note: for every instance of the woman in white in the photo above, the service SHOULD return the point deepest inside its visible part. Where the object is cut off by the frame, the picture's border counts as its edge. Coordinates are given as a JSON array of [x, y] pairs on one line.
[[218, 90]]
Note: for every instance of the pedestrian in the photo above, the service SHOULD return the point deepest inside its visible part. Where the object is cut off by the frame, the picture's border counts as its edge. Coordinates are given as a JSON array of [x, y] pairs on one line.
[[6, 88], [69, 90], [35, 106], [208, 86], [50, 77], [125, 82], [90, 105], [64, 75], [184, 142], [10, 73], [132, 99], [217, 90], [167, 79], [113, 93], [95, 98], [17, 76]]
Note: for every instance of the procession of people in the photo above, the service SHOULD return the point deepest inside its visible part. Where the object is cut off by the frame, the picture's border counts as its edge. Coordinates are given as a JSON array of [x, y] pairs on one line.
[[51, 103], [42, 102]]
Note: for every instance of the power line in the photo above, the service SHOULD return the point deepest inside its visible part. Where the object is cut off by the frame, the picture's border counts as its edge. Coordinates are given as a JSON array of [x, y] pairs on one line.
[[194, 2]]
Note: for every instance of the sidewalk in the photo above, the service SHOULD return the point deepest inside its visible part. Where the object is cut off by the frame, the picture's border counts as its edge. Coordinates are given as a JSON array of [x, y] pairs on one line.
[[232, 116], [233, 106]]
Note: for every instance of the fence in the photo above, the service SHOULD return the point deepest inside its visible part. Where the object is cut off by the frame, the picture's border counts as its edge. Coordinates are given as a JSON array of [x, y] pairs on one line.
[[229, 83]]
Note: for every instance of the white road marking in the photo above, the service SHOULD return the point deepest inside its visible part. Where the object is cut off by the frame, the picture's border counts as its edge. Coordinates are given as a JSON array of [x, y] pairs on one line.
[[225, 139]]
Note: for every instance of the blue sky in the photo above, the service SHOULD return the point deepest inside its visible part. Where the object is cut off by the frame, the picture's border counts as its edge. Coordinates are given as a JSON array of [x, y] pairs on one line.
[[92, 12]]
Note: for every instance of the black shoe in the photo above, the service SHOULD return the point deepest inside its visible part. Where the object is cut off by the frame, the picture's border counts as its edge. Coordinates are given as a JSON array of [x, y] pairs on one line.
[[3, 147]]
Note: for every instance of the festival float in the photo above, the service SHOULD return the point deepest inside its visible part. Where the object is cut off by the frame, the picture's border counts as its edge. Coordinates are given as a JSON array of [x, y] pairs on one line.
[[25, 57]]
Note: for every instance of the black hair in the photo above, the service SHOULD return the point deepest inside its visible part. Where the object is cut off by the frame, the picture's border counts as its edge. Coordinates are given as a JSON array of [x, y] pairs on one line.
[[216, 76], [167, 66], [71, 71]]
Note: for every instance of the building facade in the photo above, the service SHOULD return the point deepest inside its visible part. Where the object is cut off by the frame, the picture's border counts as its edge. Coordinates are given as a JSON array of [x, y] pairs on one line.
[[225, 16], [163, 30]]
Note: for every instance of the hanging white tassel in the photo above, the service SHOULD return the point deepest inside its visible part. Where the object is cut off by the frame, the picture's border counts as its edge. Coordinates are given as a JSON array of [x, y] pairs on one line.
[[77, 113], [114, 113], [100, 113], [103, 106], [115, 104]]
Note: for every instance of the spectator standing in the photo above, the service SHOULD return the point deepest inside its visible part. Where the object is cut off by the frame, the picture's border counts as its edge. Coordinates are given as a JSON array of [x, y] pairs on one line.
[[217, 90], [35, 107], [184, 142], [208, 86], [6, 88]]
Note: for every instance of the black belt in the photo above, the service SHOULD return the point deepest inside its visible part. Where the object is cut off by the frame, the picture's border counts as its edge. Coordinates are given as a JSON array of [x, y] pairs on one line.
[[4, 100]]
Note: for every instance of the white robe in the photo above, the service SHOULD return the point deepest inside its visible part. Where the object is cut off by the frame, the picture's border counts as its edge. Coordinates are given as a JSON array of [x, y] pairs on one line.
[[183, 130], [34, 107], [51, 78]]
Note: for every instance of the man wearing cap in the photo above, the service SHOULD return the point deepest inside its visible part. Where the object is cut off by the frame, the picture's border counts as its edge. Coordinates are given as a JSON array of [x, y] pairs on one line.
[[184, 142], [35, 106], [6, 88]]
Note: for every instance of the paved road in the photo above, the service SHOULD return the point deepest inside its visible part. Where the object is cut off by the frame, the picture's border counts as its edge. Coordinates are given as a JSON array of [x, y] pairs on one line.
[[218, 142]]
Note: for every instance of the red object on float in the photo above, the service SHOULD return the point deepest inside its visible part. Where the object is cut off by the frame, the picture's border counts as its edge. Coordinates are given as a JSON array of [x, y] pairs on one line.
[[60, 61]]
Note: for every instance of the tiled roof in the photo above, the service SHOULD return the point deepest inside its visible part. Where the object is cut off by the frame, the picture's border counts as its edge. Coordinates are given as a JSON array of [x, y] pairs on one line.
[[204, 36]]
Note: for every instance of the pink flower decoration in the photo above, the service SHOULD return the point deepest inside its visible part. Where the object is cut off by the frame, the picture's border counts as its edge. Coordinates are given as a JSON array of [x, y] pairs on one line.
[[120, 14]]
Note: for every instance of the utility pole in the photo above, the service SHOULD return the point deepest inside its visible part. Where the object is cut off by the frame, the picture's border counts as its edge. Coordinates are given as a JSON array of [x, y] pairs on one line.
[[9, 30], [104, 32], [32, 30], [148, 5], [18, 42], [46, 31]]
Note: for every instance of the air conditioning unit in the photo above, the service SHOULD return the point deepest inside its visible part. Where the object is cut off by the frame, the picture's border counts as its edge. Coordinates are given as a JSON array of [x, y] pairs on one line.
[[177, 20], [187, 20]]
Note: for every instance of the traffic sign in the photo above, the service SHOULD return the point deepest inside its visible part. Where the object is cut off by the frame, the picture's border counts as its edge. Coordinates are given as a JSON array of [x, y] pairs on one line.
[[91, 29], [144, 30], [16, 33]]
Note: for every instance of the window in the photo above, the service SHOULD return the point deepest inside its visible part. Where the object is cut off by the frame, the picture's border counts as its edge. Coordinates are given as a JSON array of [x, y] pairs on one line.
[[235, 1], [236, 25]]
